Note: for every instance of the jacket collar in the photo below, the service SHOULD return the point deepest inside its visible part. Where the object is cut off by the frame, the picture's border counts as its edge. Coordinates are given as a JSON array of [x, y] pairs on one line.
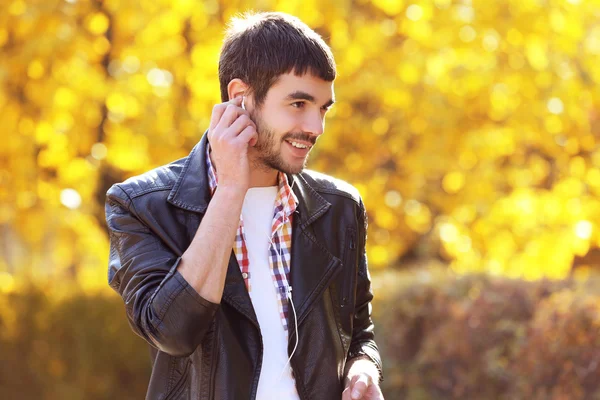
[[192, 190]]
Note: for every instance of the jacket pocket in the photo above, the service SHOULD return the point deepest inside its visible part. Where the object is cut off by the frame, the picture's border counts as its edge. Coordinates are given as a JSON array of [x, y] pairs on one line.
[[180, 386]]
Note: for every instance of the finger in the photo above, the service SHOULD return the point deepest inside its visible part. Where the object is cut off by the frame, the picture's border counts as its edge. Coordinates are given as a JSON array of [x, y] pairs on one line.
[[219, 109], [239, 125], [216, 115], [248, 135], [229, 116], [360, 387], [253, 140], [346, 394], [379, 394]]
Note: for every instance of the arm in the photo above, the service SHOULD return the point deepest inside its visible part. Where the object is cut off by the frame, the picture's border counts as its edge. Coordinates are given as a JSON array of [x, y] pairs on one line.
[[171, 301], [212, 243], [160, 304], [230, 134]]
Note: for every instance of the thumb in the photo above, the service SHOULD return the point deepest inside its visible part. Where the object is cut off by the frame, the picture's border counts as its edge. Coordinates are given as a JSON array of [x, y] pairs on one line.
[[359, 388]]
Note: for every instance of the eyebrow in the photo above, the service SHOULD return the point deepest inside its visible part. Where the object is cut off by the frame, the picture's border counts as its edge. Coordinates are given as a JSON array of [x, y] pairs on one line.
[[300, 95]]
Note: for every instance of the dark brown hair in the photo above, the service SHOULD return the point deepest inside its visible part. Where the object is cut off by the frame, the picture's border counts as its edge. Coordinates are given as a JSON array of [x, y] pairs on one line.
[[259, 47]]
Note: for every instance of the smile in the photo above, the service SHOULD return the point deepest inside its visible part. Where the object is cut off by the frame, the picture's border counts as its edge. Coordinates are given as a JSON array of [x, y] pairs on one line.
[[298, 144]]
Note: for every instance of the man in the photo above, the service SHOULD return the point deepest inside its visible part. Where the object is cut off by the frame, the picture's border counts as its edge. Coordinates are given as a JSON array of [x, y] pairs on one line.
[[286, 314]]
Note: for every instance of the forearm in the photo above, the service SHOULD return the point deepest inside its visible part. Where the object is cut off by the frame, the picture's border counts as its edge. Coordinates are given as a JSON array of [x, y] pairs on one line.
[[204, 263]]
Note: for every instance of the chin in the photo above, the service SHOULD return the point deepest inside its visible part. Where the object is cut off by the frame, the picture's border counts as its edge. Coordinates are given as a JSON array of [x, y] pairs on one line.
[[294, 168], [294, 171], [286, 167], [291, 169]]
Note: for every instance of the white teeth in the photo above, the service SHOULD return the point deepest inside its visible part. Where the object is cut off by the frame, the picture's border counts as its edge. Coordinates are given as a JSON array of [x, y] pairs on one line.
[[298, 145]]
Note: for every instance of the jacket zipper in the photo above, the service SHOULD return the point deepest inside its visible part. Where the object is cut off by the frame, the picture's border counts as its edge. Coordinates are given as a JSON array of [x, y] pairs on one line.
[[347, 289]]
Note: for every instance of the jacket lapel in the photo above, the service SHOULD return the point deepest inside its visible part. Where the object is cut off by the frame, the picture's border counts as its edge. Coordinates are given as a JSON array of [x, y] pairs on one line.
[[191, 190], [312, 265], [235, 293]]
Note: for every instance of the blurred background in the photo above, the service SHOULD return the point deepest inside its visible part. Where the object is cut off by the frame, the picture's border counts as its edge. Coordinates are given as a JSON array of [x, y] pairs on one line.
[[471, 128]]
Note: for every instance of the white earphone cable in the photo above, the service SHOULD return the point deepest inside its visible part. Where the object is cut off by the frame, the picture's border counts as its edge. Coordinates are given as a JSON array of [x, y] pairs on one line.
[[289, 297]]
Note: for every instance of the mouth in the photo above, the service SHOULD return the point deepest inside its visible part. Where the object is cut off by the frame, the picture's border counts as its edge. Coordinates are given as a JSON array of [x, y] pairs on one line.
[[298, 148], [300, 144]]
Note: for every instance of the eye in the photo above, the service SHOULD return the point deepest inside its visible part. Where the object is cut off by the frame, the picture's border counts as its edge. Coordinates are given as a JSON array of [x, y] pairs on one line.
[[298, 104]]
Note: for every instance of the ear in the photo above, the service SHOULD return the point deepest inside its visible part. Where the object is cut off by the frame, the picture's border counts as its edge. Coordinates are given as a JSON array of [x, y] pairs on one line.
[[237, 87]]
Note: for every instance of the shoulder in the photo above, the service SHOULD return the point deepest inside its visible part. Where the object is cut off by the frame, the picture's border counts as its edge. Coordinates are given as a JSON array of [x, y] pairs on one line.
[[161, 178], [326, 184]]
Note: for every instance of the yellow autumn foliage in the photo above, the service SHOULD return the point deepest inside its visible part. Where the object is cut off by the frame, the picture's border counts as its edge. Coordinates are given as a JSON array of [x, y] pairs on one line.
[[471, 127]]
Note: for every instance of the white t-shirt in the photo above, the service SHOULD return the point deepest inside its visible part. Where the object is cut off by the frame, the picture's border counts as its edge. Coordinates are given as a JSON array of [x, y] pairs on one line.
[[257, 214]]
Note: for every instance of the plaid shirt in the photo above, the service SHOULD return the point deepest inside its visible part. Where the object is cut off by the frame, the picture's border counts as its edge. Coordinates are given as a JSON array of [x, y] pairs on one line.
[[280, 246]]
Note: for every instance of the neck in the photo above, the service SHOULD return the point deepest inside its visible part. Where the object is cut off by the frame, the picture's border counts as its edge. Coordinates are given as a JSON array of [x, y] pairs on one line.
[[261, 176]]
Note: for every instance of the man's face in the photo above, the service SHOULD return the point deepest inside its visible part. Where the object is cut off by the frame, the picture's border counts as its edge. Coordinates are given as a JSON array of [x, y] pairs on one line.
[[290, 121]]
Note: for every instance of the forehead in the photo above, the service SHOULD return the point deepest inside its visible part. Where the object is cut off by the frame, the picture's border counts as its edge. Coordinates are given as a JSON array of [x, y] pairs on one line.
[[289, 83]]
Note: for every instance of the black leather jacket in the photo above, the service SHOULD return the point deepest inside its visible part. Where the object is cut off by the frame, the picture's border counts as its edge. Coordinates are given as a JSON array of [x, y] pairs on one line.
[[202, 350]]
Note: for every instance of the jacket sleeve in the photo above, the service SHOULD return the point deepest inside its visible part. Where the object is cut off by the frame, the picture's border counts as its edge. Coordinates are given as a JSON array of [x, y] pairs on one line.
[[363, 339], [161, 306]]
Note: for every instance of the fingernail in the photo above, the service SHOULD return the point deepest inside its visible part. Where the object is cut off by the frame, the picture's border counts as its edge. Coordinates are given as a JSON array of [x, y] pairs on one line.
[[355, 394]]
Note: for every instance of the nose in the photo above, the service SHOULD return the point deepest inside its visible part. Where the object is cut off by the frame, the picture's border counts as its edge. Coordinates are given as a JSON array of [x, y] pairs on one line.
[[314, 125]]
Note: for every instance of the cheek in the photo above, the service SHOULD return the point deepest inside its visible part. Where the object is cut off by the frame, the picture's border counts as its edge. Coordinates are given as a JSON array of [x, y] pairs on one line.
[[286, 121]]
